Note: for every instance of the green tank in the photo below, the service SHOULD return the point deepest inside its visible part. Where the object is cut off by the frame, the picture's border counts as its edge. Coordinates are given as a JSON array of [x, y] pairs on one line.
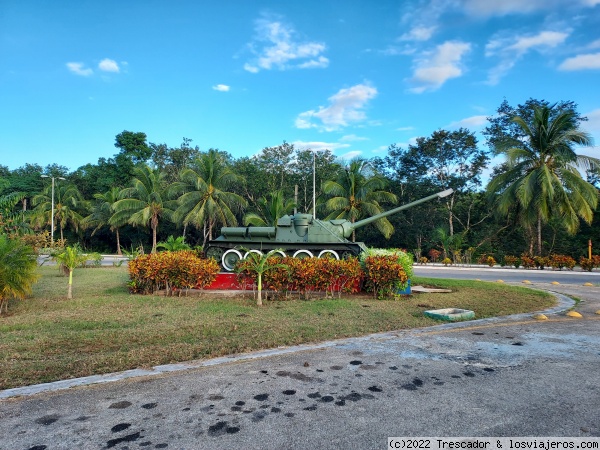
[[298, 235]]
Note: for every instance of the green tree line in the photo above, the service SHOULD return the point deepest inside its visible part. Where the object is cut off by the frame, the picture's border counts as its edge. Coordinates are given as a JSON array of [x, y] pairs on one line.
[[540, 198]]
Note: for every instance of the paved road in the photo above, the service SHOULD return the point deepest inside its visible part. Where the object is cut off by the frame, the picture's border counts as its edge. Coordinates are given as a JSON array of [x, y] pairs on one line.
[[508, 275], [509, 377]]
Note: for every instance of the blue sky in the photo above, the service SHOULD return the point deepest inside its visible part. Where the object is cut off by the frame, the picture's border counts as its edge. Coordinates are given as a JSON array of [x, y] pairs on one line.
[[351, 76]]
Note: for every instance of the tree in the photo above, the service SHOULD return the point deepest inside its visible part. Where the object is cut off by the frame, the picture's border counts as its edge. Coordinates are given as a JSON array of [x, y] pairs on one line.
[[145, 202], [17, 270], [173, 244], [68, 205], [542, 179], [102, 212], [269, 210], [259, 264], [70, 258], [447, 159], [206, 199], [358, 193]]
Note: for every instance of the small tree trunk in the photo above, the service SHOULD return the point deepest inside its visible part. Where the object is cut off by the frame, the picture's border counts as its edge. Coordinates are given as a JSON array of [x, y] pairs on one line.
[[153, 238], [539, 235], [70, 288], [259, 289], [118, 243]]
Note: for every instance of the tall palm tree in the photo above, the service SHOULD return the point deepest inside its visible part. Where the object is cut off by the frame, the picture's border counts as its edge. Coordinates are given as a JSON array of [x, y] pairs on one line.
[[270, 209], [102, 211], [69, 204], [205, 200], [358, 193], [145, 202], [17, 270], [542, 179]]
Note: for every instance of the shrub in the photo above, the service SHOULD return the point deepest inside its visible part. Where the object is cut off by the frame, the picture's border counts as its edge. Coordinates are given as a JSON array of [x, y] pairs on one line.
[[514, 261], [423, 260], [589, 263], [434, 255], [171, 271], [541, 261], [17, 270], [384, 275], [527, 261], [447, 261], [405, 259], [561, 261], [305, 275]]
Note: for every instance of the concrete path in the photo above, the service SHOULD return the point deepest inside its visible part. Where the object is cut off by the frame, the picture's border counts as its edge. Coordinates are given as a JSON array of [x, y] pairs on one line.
[[503, 377]]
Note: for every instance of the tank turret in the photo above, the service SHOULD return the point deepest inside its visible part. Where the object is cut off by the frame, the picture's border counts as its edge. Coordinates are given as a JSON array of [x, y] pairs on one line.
[[298, 235]]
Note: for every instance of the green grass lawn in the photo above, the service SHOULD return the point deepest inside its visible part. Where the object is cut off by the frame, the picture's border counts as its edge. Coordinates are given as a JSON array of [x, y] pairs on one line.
[[105, 329]]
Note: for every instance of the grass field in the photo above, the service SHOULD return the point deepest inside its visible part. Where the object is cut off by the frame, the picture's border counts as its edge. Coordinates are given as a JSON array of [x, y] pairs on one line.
[[105, 329]]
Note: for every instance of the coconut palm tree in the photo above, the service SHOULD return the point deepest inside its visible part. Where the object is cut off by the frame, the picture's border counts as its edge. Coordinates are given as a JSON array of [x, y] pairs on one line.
[[205, 200], [67, 208], [542, 179], [17, 270], [358, 193], [102, 211], [145, 202], [270, 208]]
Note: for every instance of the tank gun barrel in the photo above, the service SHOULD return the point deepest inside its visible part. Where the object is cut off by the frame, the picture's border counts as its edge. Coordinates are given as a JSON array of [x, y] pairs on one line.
[[361, 223]]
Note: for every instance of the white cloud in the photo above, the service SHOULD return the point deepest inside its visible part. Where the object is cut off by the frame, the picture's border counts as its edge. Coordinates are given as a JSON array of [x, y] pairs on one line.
[[319, 146], [590, 3], [418, 33], [109, 65], [469, 122], [351, 155], [221, 88], [593, 123], [488, 8], [405, 129], [435, 68], [353, 138], [345, 107], [280, 50], [581, 62], [510, 50], [79, 69]]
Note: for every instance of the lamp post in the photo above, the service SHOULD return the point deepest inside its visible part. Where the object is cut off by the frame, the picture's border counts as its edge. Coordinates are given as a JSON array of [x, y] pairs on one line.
[[52, 216]]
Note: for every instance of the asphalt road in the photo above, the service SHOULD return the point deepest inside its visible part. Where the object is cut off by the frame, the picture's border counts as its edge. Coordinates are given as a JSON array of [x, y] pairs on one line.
[[511, 376]]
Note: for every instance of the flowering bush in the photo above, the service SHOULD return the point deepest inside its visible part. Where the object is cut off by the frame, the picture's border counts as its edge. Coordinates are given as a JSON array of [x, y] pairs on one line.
[[514, 261], [561, 261], [423, 260], [447, 261], [171, 271]]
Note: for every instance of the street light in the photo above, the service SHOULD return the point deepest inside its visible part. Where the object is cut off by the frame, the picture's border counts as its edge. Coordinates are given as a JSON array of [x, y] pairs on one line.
[[52, 217]]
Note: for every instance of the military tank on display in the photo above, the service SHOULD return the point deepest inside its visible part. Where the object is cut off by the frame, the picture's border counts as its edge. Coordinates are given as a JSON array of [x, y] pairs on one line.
[[298, 235]]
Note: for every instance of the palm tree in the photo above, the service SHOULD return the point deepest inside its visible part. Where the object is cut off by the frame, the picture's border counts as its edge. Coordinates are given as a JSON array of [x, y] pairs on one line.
[[145, 202], [70, 258], [102, 212], [272, 208], [205, 200], [542, 179], [17, 270], [69, 203], [358, 193], [260, 264]]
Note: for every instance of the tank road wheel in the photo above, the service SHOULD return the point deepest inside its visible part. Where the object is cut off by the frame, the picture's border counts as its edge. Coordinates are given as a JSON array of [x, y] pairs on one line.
[[346, 254], [302, 253], [279, 254], [258, 252], [230, 258], [329, 254], [215, 253]]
